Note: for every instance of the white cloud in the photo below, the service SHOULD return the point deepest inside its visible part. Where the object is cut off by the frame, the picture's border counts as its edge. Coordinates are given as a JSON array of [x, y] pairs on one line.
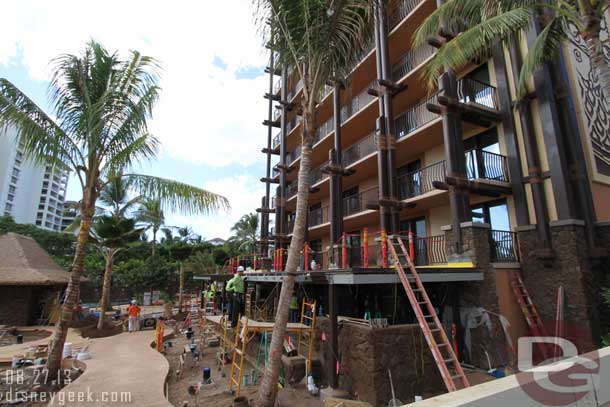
[[243, 191], [205, 114]]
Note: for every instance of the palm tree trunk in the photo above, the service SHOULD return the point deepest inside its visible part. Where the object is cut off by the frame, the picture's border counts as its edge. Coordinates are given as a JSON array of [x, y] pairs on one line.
[[106, 288], [599, 63], [67, 310], [154, 242], [268, 389]]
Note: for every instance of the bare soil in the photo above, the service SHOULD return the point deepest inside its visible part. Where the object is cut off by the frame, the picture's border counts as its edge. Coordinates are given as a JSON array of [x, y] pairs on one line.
[[10, 338]]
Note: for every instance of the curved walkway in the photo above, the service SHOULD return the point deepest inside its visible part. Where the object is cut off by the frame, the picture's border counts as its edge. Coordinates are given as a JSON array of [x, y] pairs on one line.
[[123, 371]]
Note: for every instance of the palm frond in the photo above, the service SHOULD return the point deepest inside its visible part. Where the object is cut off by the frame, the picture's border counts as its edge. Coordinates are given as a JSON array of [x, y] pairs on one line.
[[475, 43], [142, 148], [178, 196], [545, 49]]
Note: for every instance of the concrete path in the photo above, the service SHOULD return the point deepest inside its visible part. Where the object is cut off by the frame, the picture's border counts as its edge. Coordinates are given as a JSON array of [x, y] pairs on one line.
[[123, 371]]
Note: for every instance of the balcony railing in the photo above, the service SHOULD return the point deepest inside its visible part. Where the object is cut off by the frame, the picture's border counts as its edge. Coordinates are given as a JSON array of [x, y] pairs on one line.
[[359, 202], [370, 44], [291, 189], [411, 60], [294, 154], [400, 10], [325, 91], [357, 103], [486, 165], [277, 86], [414, 118], [419, 182], [470, 90], [276, 140], [430, 250], [359, 150], [318, 216], [316, 175], [503, 246], [293, 92], [324, 129], [292, 124], [275, 172], [276, 114]]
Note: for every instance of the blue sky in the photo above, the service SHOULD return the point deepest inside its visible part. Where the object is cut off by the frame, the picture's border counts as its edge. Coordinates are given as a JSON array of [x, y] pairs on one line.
[[211, 106]]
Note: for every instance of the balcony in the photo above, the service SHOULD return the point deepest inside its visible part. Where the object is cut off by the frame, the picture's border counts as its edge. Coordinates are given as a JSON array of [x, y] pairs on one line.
[[481, 164], [325, 91], [276, 114], [324, 129], [318, 216], [411, 60], [360, 202], [473, 92], [419, 182], [277, 87], [294, 154], [503, 245], [294, 91], [357, 103], [428, 250], [276, 140], [359, 150], [292, 124], [414, 118], [400, 10]]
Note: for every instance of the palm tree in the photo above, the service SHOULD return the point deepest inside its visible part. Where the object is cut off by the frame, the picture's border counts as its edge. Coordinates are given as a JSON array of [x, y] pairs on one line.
[[101, 105], [246, 232], [151, 214], [111, 234], [201, 263], [482, 23], [316, 40]]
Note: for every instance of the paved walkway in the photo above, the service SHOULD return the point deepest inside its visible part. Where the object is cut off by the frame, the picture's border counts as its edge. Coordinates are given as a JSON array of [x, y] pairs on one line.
[[121, 365]]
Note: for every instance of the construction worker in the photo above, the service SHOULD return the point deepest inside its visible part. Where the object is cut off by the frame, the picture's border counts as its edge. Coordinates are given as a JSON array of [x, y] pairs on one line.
[[235, 288], [133, 312]]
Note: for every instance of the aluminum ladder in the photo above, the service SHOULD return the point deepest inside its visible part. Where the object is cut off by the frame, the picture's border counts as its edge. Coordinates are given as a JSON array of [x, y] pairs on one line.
[[435, 335]]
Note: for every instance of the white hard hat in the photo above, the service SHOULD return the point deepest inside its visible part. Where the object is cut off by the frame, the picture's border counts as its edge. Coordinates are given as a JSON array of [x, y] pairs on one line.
[[134, 302], [240, 269]]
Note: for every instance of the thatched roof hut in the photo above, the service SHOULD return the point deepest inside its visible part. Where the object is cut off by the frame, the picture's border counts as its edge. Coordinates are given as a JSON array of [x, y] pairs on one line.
[[28, 276]]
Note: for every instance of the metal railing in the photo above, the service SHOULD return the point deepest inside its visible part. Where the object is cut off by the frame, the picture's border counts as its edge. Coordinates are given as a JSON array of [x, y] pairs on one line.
[[277, 86], [276, 113], [470, 90], [414, 118], [316, 175], [276, 140], [324, 129], [357, 103], [318, 216], [430, 250], [294, 91], [359, 150], [370, 44], [400, 10], [294, 154], [419, 182], [292, 124], [358, 202], [410, 60], [325, 91], [486, 165], [275, 171], [291, 189], [503, 244]]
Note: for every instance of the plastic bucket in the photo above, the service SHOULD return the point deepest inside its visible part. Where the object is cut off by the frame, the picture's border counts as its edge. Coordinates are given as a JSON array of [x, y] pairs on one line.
[[67, 353]]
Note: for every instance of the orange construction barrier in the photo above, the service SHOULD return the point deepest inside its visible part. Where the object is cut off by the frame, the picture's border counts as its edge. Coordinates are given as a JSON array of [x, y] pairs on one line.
[[306, 255], [365, 247], [343, 252], [411, 245], [384, 249]]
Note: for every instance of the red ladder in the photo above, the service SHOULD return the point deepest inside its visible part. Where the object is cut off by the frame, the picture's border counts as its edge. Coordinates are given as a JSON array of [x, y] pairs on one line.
[[428, 320], [530, 312]]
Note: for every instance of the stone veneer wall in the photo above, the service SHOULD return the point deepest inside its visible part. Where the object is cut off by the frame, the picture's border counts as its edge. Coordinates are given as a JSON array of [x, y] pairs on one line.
[[366, 354], [573, 269]]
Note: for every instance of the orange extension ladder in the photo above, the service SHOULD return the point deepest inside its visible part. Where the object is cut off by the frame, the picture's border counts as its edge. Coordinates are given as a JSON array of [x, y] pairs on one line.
[[530, 312], [436, 337]]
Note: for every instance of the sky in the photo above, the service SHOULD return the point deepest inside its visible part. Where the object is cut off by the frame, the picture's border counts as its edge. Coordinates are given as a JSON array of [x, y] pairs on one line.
[[211, 106]]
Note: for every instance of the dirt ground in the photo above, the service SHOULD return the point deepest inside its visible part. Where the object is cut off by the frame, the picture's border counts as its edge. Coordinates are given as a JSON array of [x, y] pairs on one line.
[[217, 393], [10, 338]]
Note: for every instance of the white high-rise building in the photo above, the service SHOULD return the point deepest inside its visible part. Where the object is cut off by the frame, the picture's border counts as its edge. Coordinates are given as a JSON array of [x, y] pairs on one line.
[[29, 192]]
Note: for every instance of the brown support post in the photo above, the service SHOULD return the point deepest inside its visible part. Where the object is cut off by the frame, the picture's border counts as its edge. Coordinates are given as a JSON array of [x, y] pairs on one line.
[[510, 137], [390, 129], [532, 155], [280, 214], [266, 199], [555, 150], [459, 199], [380, 138], [333, 378], [336, 179]]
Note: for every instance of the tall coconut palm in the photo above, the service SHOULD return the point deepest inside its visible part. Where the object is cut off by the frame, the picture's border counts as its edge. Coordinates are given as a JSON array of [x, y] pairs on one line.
[[246, 232], [316, 40], [101, 104], [151, 214], [111, 234], [482, 23]]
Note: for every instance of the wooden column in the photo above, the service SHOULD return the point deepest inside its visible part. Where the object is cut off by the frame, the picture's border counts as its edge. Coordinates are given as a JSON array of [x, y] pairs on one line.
[[333, 339], [336, 178], [280, 210]]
